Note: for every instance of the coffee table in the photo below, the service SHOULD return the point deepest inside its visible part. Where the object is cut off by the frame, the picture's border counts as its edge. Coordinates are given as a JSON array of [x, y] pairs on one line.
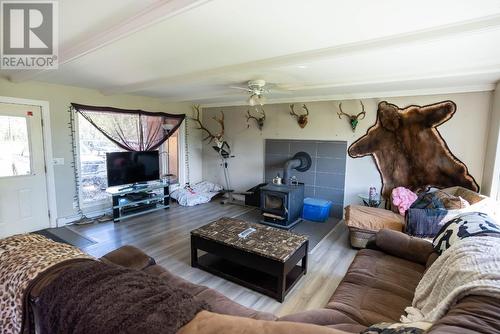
[[265, 261]]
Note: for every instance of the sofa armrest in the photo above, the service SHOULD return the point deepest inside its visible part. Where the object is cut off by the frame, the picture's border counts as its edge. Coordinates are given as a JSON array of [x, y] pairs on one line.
[[403, 246], [129, 257], [207, 322]]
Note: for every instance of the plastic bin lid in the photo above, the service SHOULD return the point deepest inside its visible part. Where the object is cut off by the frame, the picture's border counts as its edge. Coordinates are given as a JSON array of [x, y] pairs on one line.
[[316, 201]]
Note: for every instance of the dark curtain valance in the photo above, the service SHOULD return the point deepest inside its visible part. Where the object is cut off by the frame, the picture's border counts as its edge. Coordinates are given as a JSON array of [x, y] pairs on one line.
[[132, 130]]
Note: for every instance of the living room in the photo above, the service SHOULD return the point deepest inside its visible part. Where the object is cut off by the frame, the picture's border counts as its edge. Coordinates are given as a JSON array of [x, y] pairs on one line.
[[267, 166]]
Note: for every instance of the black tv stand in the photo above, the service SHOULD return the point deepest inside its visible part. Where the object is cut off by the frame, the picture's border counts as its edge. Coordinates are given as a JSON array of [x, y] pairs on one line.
[[132, 200]]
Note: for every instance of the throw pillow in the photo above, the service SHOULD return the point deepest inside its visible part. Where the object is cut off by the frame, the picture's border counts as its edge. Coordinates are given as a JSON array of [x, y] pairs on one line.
[[402, 198], [463, 226]]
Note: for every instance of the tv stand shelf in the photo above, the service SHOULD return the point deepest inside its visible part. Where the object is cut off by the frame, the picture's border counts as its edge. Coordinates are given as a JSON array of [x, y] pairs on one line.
[[135, 200]]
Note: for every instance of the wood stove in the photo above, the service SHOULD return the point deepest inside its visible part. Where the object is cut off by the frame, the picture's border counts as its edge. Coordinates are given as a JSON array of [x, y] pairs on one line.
[[281, 205]]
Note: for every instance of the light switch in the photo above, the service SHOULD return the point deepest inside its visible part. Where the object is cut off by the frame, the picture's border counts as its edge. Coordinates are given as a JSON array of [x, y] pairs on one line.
[[58, 161]]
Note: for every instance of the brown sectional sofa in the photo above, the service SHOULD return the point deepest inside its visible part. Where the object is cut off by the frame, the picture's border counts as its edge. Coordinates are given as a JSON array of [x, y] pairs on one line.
[[379, 284]]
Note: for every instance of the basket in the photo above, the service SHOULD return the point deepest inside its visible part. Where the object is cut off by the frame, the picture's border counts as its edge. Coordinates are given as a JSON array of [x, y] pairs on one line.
[[359, 238]]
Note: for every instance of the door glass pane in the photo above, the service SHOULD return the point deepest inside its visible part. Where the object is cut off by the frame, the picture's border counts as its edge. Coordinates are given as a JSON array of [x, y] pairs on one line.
[[14, 146]]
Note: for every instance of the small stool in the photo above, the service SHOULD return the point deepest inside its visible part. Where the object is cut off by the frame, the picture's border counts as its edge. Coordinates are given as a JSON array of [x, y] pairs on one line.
[[363, 222]]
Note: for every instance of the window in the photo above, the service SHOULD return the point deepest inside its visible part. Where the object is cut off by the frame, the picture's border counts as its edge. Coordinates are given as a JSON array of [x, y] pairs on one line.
[[14, 145], [93, 146], [172, 151]]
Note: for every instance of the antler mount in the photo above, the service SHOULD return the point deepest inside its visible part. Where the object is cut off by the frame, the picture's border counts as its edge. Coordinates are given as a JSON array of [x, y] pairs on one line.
[[218, 137], [301, 118]]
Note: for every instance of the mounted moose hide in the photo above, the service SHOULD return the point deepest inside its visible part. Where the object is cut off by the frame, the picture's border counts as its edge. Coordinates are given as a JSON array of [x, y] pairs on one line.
[[409, 151]]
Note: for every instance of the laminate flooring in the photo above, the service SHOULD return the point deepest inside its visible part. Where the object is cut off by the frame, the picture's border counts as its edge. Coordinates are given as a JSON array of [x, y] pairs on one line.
[[164, 235]]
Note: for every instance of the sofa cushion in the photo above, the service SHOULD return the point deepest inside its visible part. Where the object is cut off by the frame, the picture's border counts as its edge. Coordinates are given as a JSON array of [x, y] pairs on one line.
[[473, 314], [213, 323], [404, 246], [372, 219], [376, 288], [326, 317]]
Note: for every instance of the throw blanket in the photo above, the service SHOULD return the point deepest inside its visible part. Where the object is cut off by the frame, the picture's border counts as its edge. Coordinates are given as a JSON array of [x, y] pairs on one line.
[[200, 193], [94, 297], [469, 267], [22, 258]]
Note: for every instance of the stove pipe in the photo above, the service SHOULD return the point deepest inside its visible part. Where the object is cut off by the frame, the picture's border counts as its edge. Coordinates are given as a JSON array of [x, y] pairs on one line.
[[300, 162]]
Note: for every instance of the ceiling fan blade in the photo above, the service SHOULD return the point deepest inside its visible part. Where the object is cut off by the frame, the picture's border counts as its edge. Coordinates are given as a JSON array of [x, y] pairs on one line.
[[279, 91], [241, 88]]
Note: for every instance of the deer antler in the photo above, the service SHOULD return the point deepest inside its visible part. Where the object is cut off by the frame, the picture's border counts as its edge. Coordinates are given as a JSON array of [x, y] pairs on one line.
[[353, 119], [259, 120], [362, 113], [305, 108], [221, 122], [293, 113], [210, 136], [301, 119], [342, 113]]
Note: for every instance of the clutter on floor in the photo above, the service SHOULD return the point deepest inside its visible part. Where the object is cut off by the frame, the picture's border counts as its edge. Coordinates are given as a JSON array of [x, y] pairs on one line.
[[199, 193]]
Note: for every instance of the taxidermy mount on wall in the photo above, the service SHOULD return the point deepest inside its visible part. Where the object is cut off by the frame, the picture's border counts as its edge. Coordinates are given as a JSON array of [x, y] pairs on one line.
[[259, 119], [353, 119], [218, 137], [409, 151], [301, 118]]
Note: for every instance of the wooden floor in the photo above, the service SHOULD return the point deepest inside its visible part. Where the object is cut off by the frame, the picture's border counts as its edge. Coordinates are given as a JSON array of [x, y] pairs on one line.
[[164, 235]]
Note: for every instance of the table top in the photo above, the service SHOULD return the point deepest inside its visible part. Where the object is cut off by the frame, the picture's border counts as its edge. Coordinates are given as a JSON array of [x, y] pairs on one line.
[[367, 197], [375, 202], [267, 241]]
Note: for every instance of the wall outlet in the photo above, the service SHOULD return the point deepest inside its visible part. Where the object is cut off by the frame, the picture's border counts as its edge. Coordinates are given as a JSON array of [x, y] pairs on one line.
[[58, 161]]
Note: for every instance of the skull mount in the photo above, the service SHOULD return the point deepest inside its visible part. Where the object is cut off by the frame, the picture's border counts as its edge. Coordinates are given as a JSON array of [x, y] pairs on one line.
[[301, 118], [353, 119]]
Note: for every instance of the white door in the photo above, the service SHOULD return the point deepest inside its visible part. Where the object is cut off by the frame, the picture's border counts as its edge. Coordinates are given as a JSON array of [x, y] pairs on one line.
[[23, 188]]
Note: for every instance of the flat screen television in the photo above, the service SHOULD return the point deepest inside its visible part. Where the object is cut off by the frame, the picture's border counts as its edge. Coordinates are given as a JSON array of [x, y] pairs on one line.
[[132, 167]]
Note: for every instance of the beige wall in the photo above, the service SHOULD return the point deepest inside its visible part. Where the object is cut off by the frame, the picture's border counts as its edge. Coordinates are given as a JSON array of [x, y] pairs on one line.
[[491, 175], [60, 97], [465, 134]]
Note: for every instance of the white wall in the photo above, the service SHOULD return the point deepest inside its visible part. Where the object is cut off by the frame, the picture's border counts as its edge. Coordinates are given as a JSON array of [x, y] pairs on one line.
[[60, 97], [465, 133], [491, 176]]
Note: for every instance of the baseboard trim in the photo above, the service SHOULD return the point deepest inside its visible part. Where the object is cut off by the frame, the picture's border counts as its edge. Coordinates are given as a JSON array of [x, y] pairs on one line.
[[62, 221]]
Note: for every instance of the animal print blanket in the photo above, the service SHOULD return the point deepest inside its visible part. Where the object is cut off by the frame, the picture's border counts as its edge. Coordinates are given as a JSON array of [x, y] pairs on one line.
[[22, 258], [471, 266]]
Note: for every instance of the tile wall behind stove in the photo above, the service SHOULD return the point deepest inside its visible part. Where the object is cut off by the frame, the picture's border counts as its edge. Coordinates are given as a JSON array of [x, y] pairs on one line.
[[326, 177]]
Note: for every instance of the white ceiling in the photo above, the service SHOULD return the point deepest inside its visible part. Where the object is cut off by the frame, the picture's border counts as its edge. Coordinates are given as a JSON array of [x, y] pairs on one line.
[[194, 50]]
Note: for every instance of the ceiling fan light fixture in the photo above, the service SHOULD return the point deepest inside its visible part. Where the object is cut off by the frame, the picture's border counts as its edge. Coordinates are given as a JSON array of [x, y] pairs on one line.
[[254, 100], [262, 100]]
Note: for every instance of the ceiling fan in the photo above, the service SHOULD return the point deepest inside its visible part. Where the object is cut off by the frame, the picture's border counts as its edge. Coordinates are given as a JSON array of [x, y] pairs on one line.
[[257, 89]]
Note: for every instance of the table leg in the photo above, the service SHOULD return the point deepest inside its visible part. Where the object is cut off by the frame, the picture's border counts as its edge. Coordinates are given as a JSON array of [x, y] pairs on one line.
[[304, 259], [280, 296], [166, 200], [116, 211], [194, 253]]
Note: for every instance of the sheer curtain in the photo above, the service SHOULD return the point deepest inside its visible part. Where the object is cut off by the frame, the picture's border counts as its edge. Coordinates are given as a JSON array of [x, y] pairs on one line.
[[132, 130]]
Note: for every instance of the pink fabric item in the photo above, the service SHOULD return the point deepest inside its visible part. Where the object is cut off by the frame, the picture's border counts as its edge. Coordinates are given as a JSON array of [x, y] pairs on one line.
[[403, 198]]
